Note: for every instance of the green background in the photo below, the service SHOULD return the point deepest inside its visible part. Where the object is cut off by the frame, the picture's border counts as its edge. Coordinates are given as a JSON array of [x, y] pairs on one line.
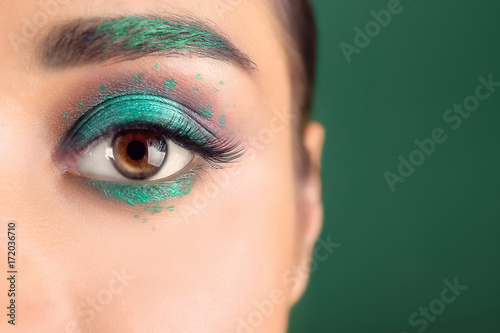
[[444, 220]]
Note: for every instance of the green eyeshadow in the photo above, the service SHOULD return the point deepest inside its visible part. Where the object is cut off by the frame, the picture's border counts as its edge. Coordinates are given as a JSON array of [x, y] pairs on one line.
[[205, 113], [134, 194], [175, 121], [139, 110], [222, 121], [170, 84]]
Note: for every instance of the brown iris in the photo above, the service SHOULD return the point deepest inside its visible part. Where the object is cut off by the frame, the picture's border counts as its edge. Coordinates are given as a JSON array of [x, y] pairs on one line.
[[138, 154]]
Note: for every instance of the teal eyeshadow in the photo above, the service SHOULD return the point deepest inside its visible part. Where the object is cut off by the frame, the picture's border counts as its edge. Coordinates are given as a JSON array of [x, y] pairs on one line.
[[155, 34], [222, 121], [138, 110], [205, 113], [136, 194], [170, 84], [156, 210]]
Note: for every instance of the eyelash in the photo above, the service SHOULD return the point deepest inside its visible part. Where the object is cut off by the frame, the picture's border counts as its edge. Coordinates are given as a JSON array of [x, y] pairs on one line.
[[130, 105], [215, 150]]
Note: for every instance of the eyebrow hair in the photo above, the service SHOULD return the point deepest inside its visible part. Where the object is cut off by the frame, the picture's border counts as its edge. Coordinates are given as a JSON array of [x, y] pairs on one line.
[[97, 40]]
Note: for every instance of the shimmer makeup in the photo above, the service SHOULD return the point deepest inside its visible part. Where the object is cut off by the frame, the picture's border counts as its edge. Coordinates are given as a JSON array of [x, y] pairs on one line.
[[143, 143], [162, 118]]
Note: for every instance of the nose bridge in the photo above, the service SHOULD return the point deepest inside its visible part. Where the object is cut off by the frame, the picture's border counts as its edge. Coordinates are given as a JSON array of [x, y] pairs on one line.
[[27, 201], [15, 136]]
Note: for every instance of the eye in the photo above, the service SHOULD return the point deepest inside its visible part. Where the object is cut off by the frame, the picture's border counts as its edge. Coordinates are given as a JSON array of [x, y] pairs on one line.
[[143, 149], [140, 155]]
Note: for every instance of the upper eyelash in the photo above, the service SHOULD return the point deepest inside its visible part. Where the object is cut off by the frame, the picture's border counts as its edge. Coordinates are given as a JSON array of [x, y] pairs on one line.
[[216, 151], [212, 148]]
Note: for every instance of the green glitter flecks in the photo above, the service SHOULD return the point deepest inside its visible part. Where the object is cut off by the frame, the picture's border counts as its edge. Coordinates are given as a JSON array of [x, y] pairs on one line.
[[144, 221], [143, 33], [138, 77], [156, 209], [65, 115], [136, 216], [228, 105], [134, 194], [215, 91], [221, 83], [222, 120], [232, 133], [205, 113], [209, 106], [196, 89], [158, 66], [171, 208], [170, 84], [102, 87], [80, 104], [198, 77]]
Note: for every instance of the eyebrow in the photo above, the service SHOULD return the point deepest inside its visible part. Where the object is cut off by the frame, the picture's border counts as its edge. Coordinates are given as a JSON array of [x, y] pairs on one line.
[[97, 40]]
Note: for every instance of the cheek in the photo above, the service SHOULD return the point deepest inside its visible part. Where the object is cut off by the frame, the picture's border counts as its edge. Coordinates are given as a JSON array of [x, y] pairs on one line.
[[229, 255]]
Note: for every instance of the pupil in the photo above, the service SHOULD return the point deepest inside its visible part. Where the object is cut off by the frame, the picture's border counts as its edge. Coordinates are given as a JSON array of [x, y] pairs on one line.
[[136, 150]]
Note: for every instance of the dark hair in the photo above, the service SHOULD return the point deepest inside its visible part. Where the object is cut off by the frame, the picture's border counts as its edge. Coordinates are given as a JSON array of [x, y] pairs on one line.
[[297, 18], [299, 27]]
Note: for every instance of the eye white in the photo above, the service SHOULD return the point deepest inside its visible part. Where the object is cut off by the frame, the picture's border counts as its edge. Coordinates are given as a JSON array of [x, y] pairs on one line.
[[97, 161]]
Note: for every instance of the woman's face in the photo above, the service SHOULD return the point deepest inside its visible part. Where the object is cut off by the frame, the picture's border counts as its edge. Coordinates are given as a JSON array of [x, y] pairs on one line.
[[208, 246]]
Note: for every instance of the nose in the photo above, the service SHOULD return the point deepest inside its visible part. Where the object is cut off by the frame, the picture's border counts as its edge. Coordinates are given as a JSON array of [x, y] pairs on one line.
[[32, 289]]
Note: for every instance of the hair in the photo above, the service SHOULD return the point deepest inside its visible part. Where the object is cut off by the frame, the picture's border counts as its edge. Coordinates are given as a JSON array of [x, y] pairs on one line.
[[299, 26]]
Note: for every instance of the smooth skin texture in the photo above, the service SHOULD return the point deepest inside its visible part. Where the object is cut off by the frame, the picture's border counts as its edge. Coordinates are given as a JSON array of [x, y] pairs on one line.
[[91, 265]]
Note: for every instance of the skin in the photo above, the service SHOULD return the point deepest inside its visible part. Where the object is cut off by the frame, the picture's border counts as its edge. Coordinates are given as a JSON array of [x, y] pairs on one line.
[[200, 273]]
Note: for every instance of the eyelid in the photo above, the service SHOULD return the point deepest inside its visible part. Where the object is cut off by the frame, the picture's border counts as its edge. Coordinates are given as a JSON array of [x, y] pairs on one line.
[[140, 110], [135, 111]]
